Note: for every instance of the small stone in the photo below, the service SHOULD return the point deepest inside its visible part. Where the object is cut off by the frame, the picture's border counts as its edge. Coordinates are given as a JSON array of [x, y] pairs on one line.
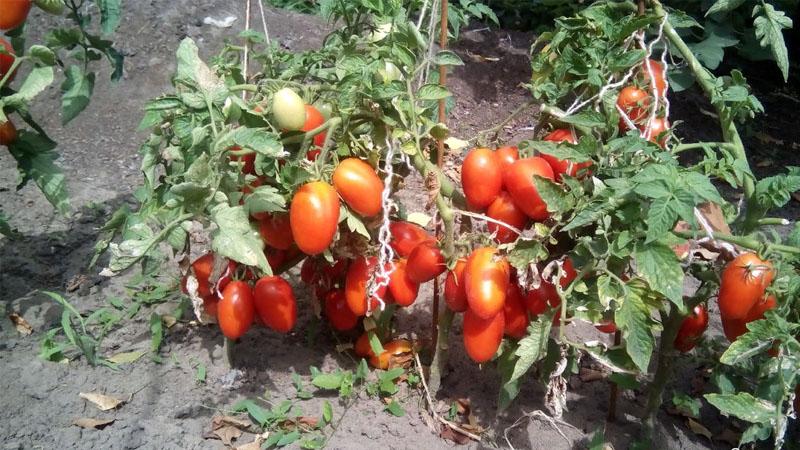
[[185, 412]]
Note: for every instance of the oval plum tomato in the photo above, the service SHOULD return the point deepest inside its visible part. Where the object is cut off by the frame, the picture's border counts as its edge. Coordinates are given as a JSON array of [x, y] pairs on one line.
[[634, 102], [657, 130], [6, 59], [505, 210], [481, 178], [403, 289], [8, 133], [236, 310], [314, 119], [425, 262], [336, 271], [314, 217], [560, 166], [482, 337], [536, 300], [518, 180], [692, 327], [225, 277], [516, 316], [406, 236], [733, 328], [455, 294], [337, 311], [289, 110], [362, 346], [486, 278], [359, 186], [606, 326], [308, 271], [506, 156], [13, 13], [275, 303], [757, 311], [275, 257], [390, 350], [355, 285], [744, 281], [211, 305], [276, 231], [658, 76], [202, 268], [569, 274]]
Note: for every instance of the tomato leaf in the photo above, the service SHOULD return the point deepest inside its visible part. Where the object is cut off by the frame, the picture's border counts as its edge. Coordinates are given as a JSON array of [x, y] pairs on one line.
[[526, 253], [36, 82], [557, 199], [433, 92], [327, 412], [35, 161], [287, 439], [505, 365], [586, 118], [265, 199], [744, 406], [110, 14], [156, 332], [633, 318], [724, 6], [260, 140], [447, 58], [193, 71], [660, 268], [769, 25], [328, 381], [76, 91], [395, 409], [236, 239], [532, 347]]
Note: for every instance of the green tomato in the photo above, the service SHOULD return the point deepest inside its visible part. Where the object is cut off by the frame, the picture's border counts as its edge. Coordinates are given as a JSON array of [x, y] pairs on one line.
[[288, 109]]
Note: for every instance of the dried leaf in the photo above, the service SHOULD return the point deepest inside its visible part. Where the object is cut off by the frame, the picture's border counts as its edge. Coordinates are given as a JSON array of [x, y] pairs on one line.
[[101, 401], [699, 429], [22, 325], [453, 436], [127, 357], [588, 375], [715, 217], [168, 321], [75, 283], [220, 421], [256, 444], [97, 424], [227, 434], [454, 143]]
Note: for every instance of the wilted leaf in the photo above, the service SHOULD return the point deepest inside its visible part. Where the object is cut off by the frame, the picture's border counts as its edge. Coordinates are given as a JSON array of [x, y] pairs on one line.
[[22, 325], [97, 424], [699, 429], [103, 402], [127, 357]]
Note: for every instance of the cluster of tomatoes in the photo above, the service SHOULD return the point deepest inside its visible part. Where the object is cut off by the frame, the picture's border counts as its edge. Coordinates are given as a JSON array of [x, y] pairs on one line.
[[12, 14], [637, 102]]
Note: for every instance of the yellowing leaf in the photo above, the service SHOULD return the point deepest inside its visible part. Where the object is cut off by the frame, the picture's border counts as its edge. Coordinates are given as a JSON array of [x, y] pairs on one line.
[[699, 429], [127, 357], [103, 402], [418, 218], [97, 424]]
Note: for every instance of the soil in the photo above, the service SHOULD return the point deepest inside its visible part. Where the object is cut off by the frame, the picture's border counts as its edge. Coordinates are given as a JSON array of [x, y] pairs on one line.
[[167, 408]]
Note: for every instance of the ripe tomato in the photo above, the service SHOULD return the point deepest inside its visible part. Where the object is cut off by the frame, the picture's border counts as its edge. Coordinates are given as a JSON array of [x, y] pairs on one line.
[[275, 257], [403, 289], [425, 262], [505, 210], [314, 217], [692, 327], [506, 156], [355, 285], [6, 59], [276, 231], [481, 178], [560, 166], [362, 347], [658, 127], [226, 277], [8, 133], [275, 303], [658, 76], [518, 180], [13, 13], [744, 281], [516, 316], [289, 110], [757, 311], [337, 311], [202, 268], [337, 271], [236, 309], [733, 328], [482, 337], [569, 274], [314, 119], [455, 294], [486, 278], [211, 305], [536, 300], [249, 160], [359, 186], [606, 326], [634, 102], [390, 350], [406, 236]]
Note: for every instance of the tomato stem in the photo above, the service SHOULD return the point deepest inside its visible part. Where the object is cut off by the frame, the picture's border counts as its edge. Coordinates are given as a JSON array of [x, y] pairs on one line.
[[227, 348], [12, 69], [332, 125], [699, 145], [746, 242], [496, 129], [440, 352]]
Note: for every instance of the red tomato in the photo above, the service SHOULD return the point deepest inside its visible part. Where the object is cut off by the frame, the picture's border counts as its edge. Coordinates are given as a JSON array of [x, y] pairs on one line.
[[406, 236], [226, 276], [13, 13], [560, 166], [518, 180], [337, 311], [236, 309], [657, 127], [692, 327], [202, 268], [314, 119], [275, 303], [744, 281], [569, 274], [425, 262], [308, 271], [482, 337], [275, 257], [658, 75], [249, 160], [314, 217], [337, 271], [634, 102], [8, 133], [757, 311], [536, 300], [506, 156], [486, 278], [516, 316], [505, 210], [455, 294], [403, 289], [359, 186], [211, 305], [6, 59], [390, 350], [276, 231], [355, 286], [606, 326], [362, 347], [733, 328], [481, 178]]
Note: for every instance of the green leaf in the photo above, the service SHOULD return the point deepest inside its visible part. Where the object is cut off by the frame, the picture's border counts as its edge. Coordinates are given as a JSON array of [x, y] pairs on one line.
[[327, 412], [127, 357], [526, 253], [76, 92], [264, 199], [36, 82], [744, 406], [395, 409], [586, 118], [658, 265], [375, 343], [624, 380], [110, 14], [758, 338], [328, 381], [433, 92], [260, 415], [287, 439], [769, 30], [505, 365], [711, 50], [260, 140], [776, 191], [35, 161], [661, 218], [200, 373], [724, 6], [156, 332], [43, 54], [193, 71], [447, 58], [687, 405], [235, 238], [355, 224], [556, 198], [633, 318], [532, 347], [55, 7]]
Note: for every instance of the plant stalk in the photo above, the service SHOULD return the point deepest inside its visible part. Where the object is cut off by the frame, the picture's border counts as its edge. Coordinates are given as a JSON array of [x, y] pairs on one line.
[[227, 348], [663, 369], [746, 242]]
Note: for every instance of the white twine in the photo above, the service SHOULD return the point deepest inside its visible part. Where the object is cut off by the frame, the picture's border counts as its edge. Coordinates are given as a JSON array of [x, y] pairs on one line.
[[264, 23], [246, 45]]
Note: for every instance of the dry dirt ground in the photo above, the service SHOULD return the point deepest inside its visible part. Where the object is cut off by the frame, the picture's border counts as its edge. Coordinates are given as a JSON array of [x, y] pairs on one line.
[[168, 409]]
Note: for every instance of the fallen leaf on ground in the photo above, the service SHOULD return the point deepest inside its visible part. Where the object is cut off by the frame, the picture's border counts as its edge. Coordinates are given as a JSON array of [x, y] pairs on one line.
[[103, 402], [226, 429], [234, 422], [168, 321], [449, 434], [699, 429], [76, 282], [97, 424], [127, 357], [227, 434], [22, 325], [256, 444]]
